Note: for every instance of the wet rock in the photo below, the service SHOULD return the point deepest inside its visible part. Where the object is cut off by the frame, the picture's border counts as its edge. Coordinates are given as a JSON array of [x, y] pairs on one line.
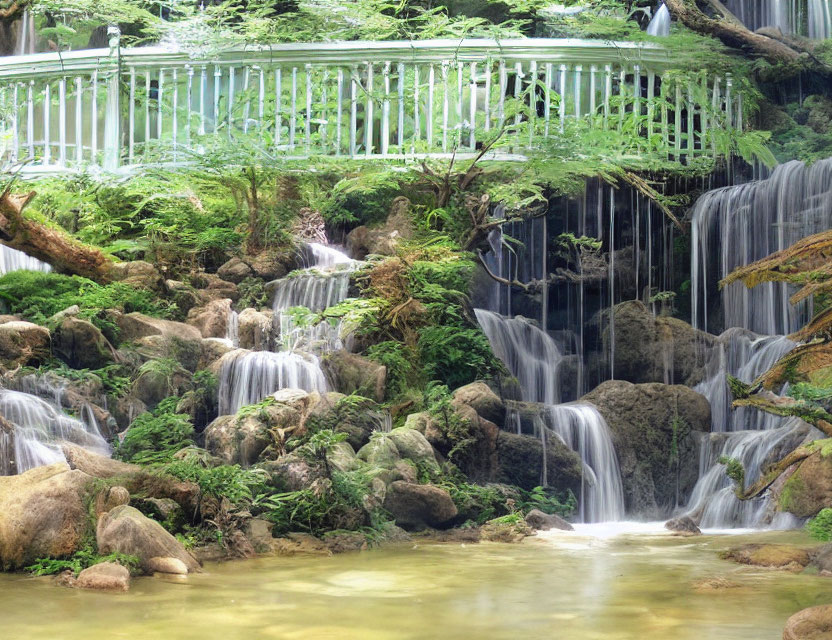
[[521, 461], [506, 529], [81, 345], [134, 326], [536, 519], [211, 352], [42, 514], [646, 422], [822, 559], [127, 530], [183, 295], [683, 525], [479, 458], [342, 542], [656, 349], [351, 373], [416, 506], [483, 400], [300, 544], [256, 330], [814, 623], [271, 264], [105, 576], [356, 416], [125, 409], [292, 473], [94, 464], [23, 343], [212, 287], [235, 270], [155, 383], [237, 440], [259, 533], [777, 556], [211, 319]]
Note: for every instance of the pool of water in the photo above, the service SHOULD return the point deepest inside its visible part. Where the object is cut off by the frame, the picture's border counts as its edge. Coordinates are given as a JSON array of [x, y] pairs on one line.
[[593, 584]]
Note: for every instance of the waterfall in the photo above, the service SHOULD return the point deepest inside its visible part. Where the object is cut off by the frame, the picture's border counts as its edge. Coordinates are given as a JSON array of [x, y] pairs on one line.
[[533, 358], [735, 226], [529, 353], [660, 23], [247, 377], [26, 35], [37, 431], [713, 500], [14, 260], [745, 356], [582, 428], [232, 328], [812, 18]]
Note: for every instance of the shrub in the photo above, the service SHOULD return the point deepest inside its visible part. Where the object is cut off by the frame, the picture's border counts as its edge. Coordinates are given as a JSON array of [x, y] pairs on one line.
[[155, 436], [455, 356], [820, 527]]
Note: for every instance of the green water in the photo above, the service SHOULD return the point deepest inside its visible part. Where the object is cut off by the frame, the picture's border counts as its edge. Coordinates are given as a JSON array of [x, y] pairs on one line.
[[564, 586]]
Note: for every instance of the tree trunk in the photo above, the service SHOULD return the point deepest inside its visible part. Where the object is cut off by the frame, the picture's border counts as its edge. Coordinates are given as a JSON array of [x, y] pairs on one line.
[[62, 252], [731, 33]]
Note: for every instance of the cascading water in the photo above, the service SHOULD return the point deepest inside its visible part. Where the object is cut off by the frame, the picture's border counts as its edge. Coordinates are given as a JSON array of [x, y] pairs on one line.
[[247, 377], [812, 18], [529, 353], [735, 226], [533, 358], [660, 23], [37, 432]]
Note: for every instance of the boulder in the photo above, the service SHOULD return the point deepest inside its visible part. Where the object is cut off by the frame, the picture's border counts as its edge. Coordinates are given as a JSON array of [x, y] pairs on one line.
[[139, 274], [412, 445], [235, 270], [541, 521], [127, 530], [106, 576], [478, 460], [272, 264], [683, 525], [520, 462], [94, 464], [81, 345], [255, 330], [110, 498], [341, 456], [380, 451], [776, 556], [416, 506], [42, 514], [292, 473], [483, 400], [300, 544], [211, 287], [183, 295], [814, 623], [134, 326], [154, 384], [212, 351], [352, 374], [211, 319], [809, 488], [125, 408], [651, 348], [23, 343], [647, 422]]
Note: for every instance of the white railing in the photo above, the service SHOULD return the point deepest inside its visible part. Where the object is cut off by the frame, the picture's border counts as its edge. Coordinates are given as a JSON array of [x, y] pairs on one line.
[[123, 107]]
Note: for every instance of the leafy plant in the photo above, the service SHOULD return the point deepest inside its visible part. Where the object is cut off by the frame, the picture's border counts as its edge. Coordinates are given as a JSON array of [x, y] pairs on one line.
[[155, 436], [820, 527]]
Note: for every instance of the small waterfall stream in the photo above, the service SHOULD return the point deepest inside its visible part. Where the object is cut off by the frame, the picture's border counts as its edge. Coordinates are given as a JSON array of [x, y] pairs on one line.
[[14, 260], [660, 23], [247, 377]]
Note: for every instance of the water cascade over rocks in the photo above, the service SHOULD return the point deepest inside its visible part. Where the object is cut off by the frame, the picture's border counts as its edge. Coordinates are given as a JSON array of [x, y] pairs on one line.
[[247, 377], [14, 260], [532, 356], [37, 431], [660, 23], [812, 18], [732, 227]]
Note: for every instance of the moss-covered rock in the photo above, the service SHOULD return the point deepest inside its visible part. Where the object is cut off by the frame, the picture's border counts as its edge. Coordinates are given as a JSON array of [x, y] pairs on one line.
[[23, 343], [652, 427], [776, 556], [521, 463], [809, 488], [350, 373], [81, 344], [416, 506], [814, 623]]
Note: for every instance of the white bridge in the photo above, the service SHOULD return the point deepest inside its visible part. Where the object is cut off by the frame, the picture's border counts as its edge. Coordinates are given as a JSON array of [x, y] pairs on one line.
[[118, 108]]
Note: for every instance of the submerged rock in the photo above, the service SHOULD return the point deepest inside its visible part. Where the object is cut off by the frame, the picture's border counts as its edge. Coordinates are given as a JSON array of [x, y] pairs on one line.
[[105, 576], [416, 506], [652, 427], [505, 529], [127, 530], [776, 556], [42, 514], [814, 623], [536, 519]]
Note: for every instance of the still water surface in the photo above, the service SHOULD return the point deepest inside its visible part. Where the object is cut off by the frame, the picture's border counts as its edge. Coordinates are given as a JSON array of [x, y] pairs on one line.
[[585, 585]]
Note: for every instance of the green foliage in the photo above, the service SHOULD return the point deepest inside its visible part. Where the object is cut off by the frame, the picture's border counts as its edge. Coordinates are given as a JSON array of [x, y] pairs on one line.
[[738, 388], [548, 501], [820, 527], [37, 296], [455, 356], [154, 436], [399, 360], [237, 485], [456, 430], [734, 470], [253, 294], [79, 561]]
